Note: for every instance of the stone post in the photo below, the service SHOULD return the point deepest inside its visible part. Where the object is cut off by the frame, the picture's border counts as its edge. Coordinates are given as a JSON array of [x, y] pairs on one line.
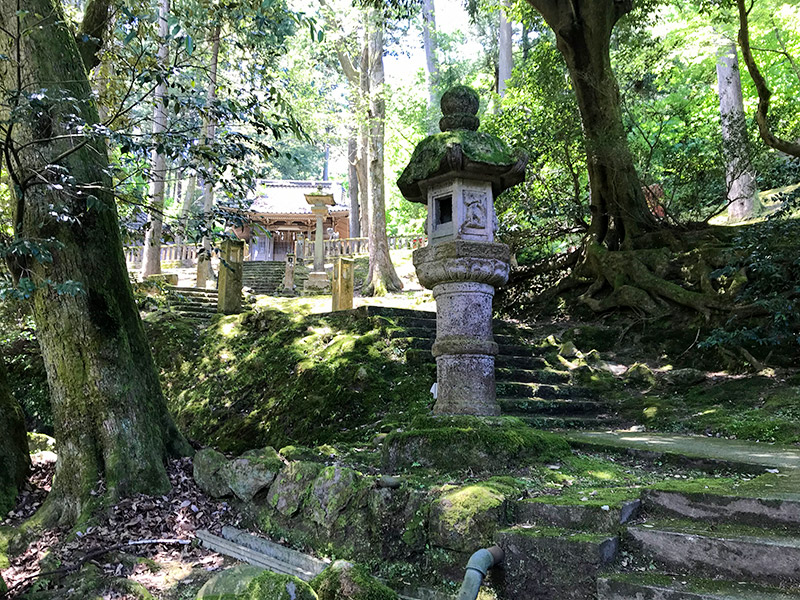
[[229, 299], [203, 268], [342, 289], [288, 274], [318, 279], [458, 174]]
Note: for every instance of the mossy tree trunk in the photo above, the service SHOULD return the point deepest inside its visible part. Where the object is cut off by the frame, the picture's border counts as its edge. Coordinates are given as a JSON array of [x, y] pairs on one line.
[[109, 415], [583, 34], [14, 458]]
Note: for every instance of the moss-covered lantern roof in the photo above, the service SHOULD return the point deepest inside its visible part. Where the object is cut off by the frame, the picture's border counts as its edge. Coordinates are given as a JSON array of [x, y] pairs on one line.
[[461, 151]]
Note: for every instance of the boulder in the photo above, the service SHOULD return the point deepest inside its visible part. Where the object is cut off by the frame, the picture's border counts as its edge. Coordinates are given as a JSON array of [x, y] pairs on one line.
[[276, 586], [332, 490], [292, 486], [207, 468], [640, 375], [684, 377], [230, 584], [466, 518], [251, 473], [344, 580]]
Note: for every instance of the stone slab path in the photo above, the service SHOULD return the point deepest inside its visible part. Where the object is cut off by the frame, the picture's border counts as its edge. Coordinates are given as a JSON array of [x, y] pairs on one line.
[[697, 447]]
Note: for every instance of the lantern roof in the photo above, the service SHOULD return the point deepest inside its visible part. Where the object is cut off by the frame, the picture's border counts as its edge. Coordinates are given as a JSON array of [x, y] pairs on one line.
[[460, 150]]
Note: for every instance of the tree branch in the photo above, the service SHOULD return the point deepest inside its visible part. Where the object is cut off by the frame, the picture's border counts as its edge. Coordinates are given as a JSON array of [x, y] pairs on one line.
[[764, 93]]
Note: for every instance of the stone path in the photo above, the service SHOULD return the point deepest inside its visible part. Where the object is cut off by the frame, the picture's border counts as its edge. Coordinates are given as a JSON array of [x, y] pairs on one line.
[[699, 447]]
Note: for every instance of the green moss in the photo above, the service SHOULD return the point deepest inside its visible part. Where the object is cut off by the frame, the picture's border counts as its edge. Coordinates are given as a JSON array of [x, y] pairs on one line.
[[429, 157], [274, 378], [277, 586], [612, 497], [457, 443], [561, 534], [345, 581]]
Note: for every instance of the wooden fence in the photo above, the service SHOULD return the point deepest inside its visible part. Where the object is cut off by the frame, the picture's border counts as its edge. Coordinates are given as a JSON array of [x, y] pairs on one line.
[[304, 249]]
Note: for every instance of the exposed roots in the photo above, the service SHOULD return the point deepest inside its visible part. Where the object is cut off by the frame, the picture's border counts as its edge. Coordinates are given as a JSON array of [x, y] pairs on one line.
[[638, 280]]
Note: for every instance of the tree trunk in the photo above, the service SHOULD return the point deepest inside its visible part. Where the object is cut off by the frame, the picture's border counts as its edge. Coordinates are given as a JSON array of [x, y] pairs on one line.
[[352, 185], [109, 415], [209, 131], [742, 188], [505, 61], [431, 63], [382, 277], [151, 258], [188, 199], [583, 33], [14, 458], [362, 169]]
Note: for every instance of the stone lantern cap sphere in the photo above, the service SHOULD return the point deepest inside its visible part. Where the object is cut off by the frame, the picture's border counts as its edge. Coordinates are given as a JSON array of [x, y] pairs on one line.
[[461, 151]]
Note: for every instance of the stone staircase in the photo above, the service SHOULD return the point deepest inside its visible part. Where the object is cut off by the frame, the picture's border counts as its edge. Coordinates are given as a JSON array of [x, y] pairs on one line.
[[266, 277], [193, 303], [711, 546], [531, 383], [662, 545]]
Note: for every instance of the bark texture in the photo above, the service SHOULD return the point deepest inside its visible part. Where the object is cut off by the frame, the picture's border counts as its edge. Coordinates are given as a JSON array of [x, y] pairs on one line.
[[151, 258], [109, 414], [382, 276], [14, 458], [742, 193], [352, 184], [583, 34]]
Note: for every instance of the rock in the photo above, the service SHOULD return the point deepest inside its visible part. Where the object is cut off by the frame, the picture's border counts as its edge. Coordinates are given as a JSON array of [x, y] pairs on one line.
[[640, 375], [230, 584], [276, 586], [378, 439], [292, 487], [387, 481], [568, 350], [251, 473], [207, 468], [332, 490], [684, 377], [39, 442], [346, 580], [466, 519]]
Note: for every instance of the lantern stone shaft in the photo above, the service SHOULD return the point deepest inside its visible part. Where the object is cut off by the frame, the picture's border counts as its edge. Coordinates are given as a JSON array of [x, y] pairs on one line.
[[458, 173]]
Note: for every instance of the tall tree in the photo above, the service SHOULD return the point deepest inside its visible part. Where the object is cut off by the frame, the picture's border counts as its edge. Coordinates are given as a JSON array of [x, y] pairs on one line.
[[382, 277], [430, 45], [151, 258], [505, 59], [743, 202], [204, 271], [14, 459], [583, 31], [109, 415]]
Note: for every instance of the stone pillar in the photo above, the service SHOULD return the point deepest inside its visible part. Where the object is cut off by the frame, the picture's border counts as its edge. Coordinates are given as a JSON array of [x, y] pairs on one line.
[[229, 300], [463, 276], [288, 274], [318, 279], [203, 268], [342, 288], [319, 250]]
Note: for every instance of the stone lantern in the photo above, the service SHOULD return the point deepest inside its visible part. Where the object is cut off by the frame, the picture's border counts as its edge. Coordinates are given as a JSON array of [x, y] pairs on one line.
[[459, 173], [319, 201]]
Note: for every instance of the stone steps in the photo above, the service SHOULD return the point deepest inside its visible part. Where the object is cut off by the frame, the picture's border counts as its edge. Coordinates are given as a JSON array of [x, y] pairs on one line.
[[642, 586], [514, 405], [197, 304], [516, 389], [761, 556]]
